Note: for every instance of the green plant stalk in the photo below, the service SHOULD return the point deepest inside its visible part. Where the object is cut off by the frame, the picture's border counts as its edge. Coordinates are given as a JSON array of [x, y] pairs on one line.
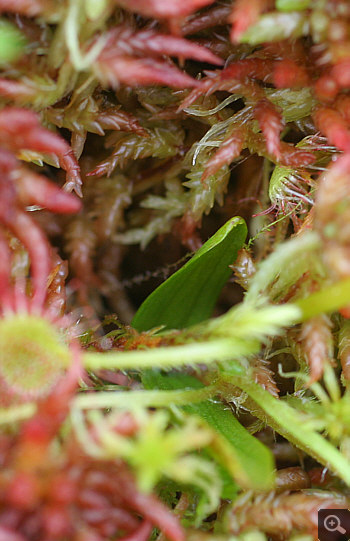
[[163, 357], [282, 418], [115, 399]]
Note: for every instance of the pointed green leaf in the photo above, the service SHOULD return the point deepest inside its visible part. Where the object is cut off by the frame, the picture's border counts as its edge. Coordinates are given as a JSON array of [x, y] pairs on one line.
[[248, 461], [189, 295]]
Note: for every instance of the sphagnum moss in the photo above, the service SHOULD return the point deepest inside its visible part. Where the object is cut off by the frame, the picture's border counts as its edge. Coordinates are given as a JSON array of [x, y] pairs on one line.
[[173, 122]]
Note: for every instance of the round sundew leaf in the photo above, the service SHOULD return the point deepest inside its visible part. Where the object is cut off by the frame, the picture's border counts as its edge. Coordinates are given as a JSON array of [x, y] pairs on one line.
[[32, 355], [12, 42]]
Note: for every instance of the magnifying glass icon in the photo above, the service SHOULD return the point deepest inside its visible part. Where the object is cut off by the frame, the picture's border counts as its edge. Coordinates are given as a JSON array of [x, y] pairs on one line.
[[332, 524]]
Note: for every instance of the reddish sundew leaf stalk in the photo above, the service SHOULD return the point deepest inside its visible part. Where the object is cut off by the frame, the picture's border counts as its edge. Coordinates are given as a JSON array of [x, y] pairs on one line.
[[20, 130], [5, 273], [34, 240], [56, 288], [34, 189], [81, 244]]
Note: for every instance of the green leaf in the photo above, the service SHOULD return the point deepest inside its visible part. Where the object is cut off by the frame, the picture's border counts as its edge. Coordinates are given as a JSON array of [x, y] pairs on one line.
[[189, 295], [286, 420], [248, 461]]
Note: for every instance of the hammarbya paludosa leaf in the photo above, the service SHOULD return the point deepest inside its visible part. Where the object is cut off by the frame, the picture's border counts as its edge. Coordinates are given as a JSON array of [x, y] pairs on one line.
[[189, 295], [186, 298]]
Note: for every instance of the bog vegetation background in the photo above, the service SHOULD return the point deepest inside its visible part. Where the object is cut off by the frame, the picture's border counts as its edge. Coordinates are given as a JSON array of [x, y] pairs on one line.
[[174, 268]]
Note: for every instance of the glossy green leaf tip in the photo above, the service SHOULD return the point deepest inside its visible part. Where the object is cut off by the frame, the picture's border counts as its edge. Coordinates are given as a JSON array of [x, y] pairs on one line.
[[189, 295]]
